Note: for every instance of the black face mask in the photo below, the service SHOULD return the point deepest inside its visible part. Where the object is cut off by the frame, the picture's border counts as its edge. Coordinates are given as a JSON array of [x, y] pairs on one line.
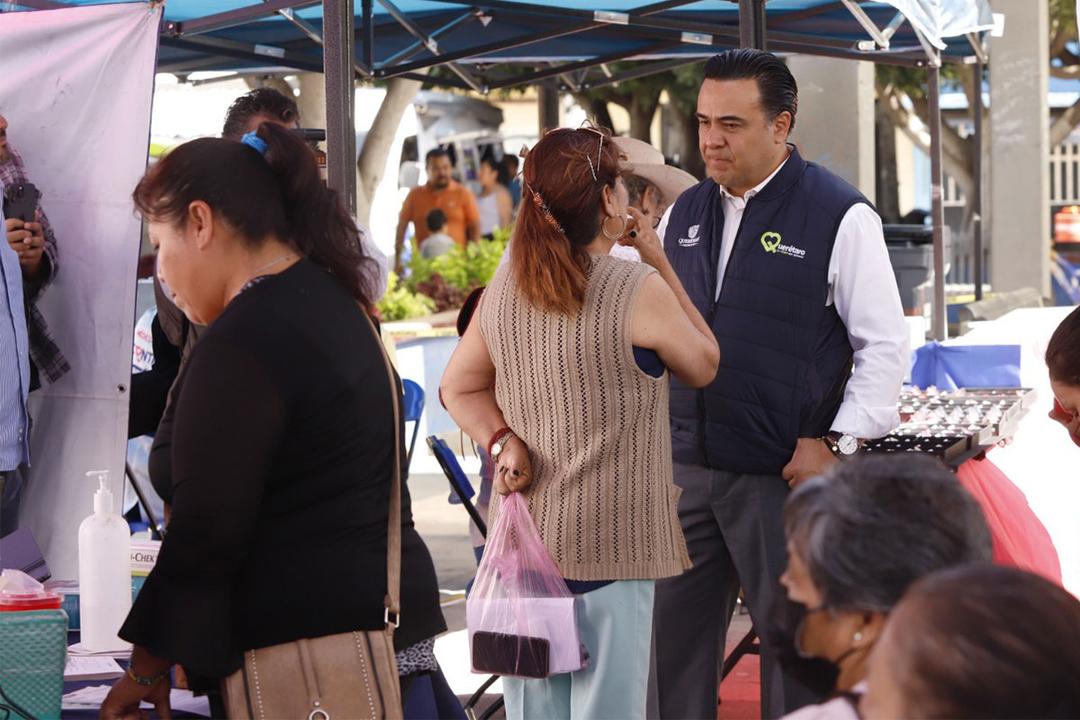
[[782, 633]]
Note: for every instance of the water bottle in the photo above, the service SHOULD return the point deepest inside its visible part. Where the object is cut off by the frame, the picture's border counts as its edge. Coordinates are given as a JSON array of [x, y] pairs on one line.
[[104, 572]]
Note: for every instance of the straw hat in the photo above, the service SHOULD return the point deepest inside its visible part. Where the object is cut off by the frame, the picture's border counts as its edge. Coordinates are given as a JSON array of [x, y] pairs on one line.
[[645, 161]]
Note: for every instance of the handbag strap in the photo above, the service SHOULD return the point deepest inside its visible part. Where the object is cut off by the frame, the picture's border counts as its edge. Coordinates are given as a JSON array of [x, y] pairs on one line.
[[393, 533]]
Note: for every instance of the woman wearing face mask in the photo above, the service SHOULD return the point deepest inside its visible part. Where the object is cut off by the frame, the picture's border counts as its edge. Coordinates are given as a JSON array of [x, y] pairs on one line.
[[858, 537]]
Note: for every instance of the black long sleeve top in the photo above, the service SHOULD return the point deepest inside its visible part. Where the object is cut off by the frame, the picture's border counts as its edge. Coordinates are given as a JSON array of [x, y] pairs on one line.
[[275, 456]]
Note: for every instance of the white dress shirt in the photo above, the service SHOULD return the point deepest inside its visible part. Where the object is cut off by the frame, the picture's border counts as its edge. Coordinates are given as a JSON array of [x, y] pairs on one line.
[[863, 288]]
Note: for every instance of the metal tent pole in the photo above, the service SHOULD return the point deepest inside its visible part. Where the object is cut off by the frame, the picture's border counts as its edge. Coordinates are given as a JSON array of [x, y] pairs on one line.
[[338, 59], [977, 171], [752, 24], [938, 326]]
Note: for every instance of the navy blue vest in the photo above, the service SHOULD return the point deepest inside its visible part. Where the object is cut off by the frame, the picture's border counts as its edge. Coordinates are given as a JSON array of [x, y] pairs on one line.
[[785, 357]]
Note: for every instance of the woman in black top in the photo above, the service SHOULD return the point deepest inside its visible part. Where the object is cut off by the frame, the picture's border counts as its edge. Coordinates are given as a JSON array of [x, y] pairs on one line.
[[276, 453]]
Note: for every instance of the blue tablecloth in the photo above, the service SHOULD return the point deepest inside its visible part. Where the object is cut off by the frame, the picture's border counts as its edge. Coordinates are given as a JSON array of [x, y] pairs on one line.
[[949, 367]]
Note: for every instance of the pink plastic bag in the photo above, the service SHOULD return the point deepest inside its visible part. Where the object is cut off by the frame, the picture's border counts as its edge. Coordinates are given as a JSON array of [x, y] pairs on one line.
[[521, 616]]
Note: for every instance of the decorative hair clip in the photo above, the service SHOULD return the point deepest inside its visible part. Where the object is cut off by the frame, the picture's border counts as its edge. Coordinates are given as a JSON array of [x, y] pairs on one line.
[[594, 169], [545, 211], [252, 140]]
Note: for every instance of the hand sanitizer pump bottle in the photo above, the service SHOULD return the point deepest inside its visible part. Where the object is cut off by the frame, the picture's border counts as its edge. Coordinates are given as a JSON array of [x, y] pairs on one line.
[[104, 571]]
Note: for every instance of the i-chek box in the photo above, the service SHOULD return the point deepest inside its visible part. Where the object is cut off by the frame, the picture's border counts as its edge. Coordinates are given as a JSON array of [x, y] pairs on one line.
[[144, 554]]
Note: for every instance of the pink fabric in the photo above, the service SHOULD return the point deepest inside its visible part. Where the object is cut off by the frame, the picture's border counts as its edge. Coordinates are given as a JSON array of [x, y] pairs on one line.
[[1019, 537]]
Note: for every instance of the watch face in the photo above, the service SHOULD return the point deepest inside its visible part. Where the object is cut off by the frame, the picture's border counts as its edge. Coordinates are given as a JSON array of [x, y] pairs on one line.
[[496, 449], [848, 445]]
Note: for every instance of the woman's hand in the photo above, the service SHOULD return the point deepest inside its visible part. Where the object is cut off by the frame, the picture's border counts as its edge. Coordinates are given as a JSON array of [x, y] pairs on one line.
[[513, 471], [123, 700], [641, 236]]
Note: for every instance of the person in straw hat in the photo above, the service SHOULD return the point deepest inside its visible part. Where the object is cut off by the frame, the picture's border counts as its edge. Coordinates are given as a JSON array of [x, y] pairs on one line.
[[653, 185]]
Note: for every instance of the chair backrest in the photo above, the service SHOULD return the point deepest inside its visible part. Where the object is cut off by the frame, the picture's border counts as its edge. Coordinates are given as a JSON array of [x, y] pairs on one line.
[[461, 490], [413, 405], [459, 481]]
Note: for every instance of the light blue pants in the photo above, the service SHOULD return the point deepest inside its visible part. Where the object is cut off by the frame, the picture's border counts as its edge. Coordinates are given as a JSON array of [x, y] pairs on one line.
[[615, 623]]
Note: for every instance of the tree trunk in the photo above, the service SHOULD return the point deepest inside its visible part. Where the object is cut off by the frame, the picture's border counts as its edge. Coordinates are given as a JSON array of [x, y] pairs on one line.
[[276, 82], [956, 151], [888, 191], [596, 110], [685, 143], [642, 111], [371, 164], [1063, 126], [312, 100]]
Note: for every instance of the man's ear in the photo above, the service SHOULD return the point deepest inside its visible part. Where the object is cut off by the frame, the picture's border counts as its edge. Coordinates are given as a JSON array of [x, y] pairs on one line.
[[782, 126]]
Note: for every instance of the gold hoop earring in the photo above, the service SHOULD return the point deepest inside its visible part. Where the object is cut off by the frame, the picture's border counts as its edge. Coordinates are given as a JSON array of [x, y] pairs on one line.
[[622, 230]]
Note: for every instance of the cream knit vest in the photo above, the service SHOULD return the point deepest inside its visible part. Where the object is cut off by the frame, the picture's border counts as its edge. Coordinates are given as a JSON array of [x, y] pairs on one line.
[[596, 425]]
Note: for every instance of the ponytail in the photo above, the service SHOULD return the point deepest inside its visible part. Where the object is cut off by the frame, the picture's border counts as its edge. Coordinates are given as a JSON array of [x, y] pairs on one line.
[[319, 225]]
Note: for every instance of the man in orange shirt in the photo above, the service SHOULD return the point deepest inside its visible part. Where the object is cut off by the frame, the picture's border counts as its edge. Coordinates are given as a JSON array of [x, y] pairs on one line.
[[440, 193]]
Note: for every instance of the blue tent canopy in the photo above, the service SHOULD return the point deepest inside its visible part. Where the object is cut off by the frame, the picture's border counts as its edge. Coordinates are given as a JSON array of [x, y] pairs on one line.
[[492, 44], [556, 38]]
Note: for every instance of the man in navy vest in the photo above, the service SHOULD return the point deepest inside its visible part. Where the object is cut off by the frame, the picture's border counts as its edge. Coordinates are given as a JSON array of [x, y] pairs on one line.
[[788, 264]]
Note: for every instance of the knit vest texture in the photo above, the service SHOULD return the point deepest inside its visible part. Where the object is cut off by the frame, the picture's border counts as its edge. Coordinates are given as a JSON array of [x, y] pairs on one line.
[[596, 426]]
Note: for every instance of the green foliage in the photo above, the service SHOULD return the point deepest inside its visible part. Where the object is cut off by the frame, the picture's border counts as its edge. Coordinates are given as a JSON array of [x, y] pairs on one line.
[[463, 269], [684, 87], [912, 81], [400, 303], [1063, 15]]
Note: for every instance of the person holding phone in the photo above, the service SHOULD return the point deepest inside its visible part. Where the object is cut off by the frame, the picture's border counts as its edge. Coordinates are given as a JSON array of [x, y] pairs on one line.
[[30, 265], [31, 237]]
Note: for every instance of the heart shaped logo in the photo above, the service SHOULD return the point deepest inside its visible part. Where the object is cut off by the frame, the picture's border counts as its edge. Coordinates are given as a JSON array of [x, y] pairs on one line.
[[770, 241]]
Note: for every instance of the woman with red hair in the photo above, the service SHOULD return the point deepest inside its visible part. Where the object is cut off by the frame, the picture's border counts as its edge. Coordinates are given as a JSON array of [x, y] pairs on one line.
[[581, 345]]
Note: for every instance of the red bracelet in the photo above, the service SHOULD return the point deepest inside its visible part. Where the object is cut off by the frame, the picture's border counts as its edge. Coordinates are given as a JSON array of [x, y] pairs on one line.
[[499, 435]]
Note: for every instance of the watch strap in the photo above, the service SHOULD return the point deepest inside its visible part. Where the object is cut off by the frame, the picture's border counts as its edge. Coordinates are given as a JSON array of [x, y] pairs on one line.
[[500, 435]]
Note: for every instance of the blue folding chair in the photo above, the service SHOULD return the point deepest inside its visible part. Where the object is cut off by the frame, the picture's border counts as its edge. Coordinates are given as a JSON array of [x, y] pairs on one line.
[[461, 489], [413, 408]]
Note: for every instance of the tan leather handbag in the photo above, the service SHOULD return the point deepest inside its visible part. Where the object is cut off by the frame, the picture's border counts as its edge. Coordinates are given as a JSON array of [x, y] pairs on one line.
[[349, 675]]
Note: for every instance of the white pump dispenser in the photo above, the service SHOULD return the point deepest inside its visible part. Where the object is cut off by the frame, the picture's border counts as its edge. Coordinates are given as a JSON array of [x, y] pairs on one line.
[[104, 571]]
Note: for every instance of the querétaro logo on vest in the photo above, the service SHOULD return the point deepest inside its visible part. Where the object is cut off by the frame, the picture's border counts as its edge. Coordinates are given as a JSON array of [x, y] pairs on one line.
[[693, 238], [771, 242]]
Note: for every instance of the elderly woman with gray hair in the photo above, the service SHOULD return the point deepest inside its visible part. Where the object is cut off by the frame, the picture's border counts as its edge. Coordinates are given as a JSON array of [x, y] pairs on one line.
[[857, 538]]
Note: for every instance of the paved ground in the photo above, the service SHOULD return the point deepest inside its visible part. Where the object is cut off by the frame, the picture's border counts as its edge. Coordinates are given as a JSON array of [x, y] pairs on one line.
[[445, 529]]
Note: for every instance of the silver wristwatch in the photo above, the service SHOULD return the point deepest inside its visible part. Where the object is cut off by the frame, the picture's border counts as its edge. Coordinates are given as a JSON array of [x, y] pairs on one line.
[[842, 445]]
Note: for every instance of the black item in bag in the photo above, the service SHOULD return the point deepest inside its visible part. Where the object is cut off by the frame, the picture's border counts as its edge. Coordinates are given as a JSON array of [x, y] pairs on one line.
[[517, 655]]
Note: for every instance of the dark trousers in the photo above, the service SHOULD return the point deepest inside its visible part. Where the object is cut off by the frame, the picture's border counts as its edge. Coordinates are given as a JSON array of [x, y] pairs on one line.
[[734, 531], [11, 489]]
